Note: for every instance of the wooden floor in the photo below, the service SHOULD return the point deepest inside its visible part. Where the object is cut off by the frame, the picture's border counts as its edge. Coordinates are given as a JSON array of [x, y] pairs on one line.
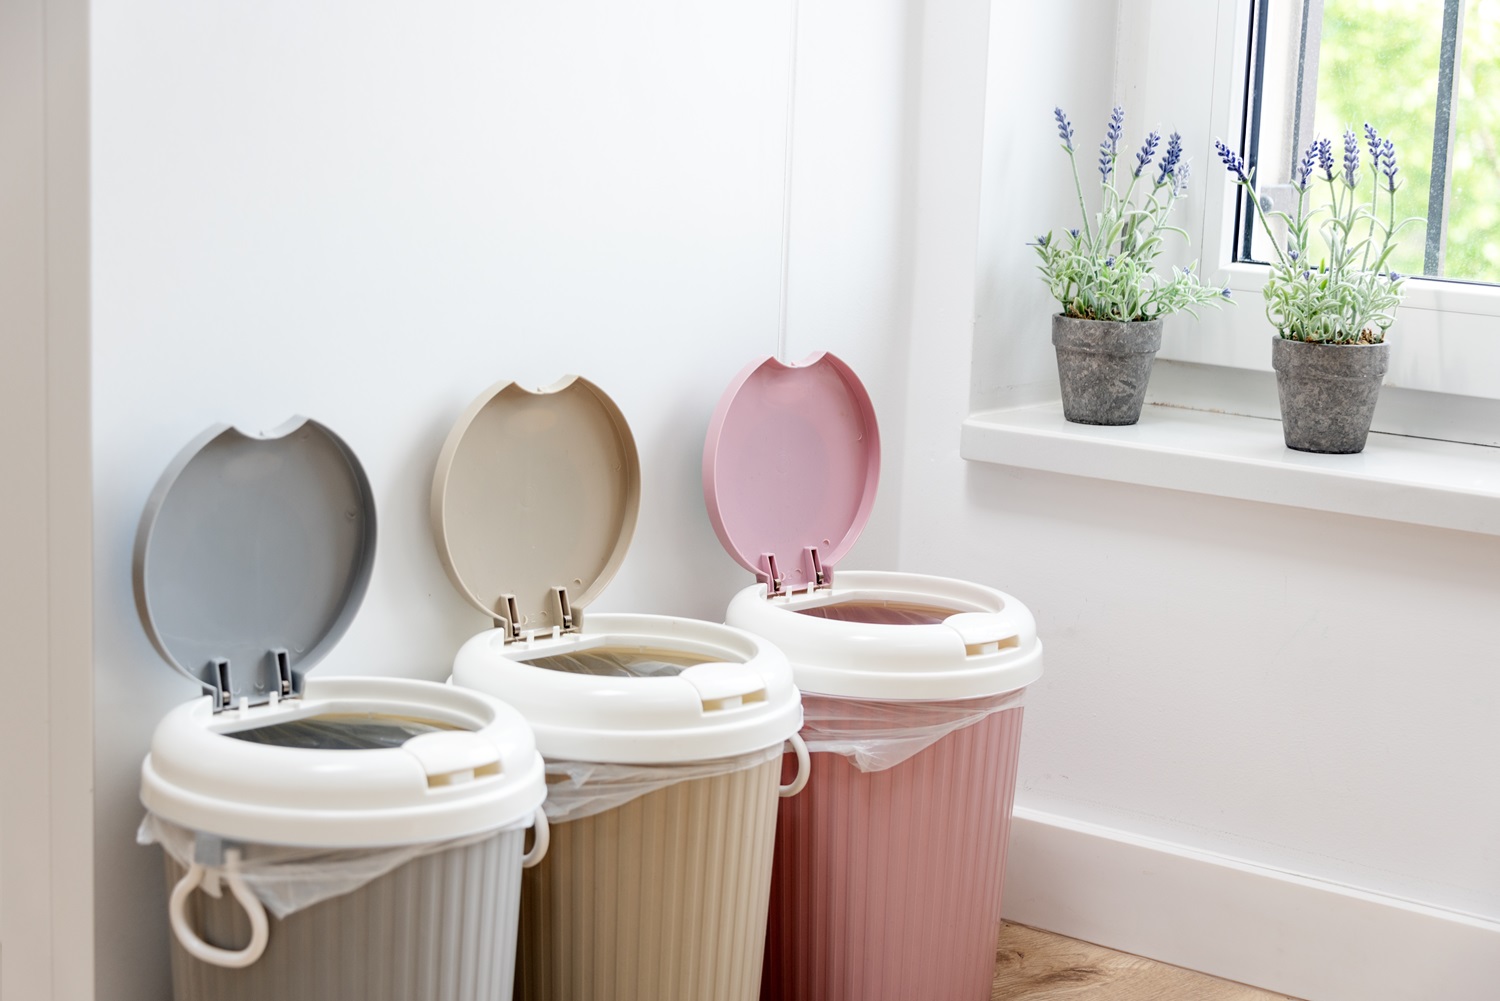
[[1039, 966]]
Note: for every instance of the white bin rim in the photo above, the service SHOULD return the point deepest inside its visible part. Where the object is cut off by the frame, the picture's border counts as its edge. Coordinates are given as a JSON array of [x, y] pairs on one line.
[[987, 646], [737, 698], [483, 774]]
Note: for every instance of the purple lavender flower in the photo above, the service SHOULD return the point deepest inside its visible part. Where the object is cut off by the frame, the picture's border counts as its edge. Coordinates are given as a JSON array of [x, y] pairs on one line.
[[1073, 233], [1115, 129], [1325, 157], [1042, 241], [1372, 140], [1387, 164], [1169, 162], [1305, 166], [1351, 158], [1148, 152], [1109, 149], [1232, 160], [1393, 276], [1109, 262], [1291, 252], [1226, 293], [1064, 128]]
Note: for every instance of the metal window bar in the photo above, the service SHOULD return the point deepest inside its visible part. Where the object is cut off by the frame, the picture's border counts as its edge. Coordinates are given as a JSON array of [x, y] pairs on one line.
[[1299, 117], [1439, 194], [1304, 113]]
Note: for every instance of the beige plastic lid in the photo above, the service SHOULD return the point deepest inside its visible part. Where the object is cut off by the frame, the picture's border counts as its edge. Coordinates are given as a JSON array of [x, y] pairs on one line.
[[534, 501]]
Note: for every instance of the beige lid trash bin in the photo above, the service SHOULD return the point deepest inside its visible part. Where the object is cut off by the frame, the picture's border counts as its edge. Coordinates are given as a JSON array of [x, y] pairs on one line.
[[663, 736]]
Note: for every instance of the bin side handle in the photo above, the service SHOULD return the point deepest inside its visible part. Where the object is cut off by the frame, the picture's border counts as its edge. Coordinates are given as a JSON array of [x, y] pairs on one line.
[[542, 837], [260, 926], [804, 766]]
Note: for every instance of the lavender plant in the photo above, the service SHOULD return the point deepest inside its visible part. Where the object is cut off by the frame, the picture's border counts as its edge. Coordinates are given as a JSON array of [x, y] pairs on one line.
[[1350, 296], [1106, 270]]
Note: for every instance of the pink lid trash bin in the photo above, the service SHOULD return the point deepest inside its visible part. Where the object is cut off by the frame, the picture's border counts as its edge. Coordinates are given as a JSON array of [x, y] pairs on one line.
[[888, 868]]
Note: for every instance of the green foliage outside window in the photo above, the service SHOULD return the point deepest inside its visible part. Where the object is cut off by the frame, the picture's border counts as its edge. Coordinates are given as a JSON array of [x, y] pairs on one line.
[[1378, 62]]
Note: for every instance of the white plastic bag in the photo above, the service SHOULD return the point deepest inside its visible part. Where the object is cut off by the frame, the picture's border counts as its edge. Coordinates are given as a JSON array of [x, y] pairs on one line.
[[578, 789], [875, 735], [287, 880], [610, 662]]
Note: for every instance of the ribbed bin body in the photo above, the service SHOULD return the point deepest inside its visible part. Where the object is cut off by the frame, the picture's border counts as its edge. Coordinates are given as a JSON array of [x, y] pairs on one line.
[[439, 928], [887, 884], [662, 899]]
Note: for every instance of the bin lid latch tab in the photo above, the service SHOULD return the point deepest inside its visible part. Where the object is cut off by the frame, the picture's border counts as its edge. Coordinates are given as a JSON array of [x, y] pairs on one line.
[[279, 682], [566, 617], [818, 575]]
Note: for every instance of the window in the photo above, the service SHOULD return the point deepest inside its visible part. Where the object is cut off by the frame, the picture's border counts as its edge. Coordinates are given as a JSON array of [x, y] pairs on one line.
[[1230, 69], [1426, 74], [1189, 66]]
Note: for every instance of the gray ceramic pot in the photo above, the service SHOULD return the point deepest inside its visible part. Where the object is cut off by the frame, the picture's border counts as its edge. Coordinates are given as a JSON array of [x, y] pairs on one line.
[[1328, 392], [1104, 367]]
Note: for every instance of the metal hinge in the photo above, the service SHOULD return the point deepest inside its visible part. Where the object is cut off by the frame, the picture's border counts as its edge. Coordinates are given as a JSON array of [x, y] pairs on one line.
[[218, 680], [283, 673], [771, 577], [508, 618], [822, 577]]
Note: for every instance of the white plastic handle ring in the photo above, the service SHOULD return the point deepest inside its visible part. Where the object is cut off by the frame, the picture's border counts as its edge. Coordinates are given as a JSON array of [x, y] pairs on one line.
[[542, 835], [804, 766], [260, 926]]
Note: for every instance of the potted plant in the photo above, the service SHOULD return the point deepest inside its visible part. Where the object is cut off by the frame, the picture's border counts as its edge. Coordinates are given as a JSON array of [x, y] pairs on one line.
[[1329, 351], [1104, 277]]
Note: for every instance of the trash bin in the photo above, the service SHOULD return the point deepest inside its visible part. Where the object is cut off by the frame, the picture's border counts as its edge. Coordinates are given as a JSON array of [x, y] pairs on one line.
[[663, 736], [326, 839], [889, 868]]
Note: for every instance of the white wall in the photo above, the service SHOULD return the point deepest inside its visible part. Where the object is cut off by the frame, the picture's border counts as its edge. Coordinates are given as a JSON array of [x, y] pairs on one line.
[[368, 212], [1307, 692]]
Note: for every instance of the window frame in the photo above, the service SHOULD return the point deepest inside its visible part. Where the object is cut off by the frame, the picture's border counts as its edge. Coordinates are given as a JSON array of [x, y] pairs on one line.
[[1185, 64]]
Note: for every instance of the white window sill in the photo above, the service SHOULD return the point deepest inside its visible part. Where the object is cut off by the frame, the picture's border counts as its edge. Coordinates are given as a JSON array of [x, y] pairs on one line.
[[1416, 480]]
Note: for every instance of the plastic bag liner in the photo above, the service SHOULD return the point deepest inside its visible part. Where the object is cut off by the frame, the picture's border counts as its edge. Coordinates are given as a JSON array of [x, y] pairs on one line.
[[876, 735], [882, 612], [288, 879], [578, 789], [621, 662], [342, 731]]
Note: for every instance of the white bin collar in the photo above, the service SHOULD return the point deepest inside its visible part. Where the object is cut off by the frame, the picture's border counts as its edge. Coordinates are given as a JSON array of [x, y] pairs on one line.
[[988, 645]]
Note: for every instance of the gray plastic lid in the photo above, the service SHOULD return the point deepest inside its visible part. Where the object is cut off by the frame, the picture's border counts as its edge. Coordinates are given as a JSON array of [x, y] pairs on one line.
[[252, 557], [535, 492]]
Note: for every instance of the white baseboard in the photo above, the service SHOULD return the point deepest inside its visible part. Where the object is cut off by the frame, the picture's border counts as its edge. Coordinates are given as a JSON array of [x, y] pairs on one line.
[[1303, 937]]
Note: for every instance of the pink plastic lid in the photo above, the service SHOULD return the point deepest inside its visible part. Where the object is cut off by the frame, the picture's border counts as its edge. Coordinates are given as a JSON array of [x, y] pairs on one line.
[[790, 468]]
